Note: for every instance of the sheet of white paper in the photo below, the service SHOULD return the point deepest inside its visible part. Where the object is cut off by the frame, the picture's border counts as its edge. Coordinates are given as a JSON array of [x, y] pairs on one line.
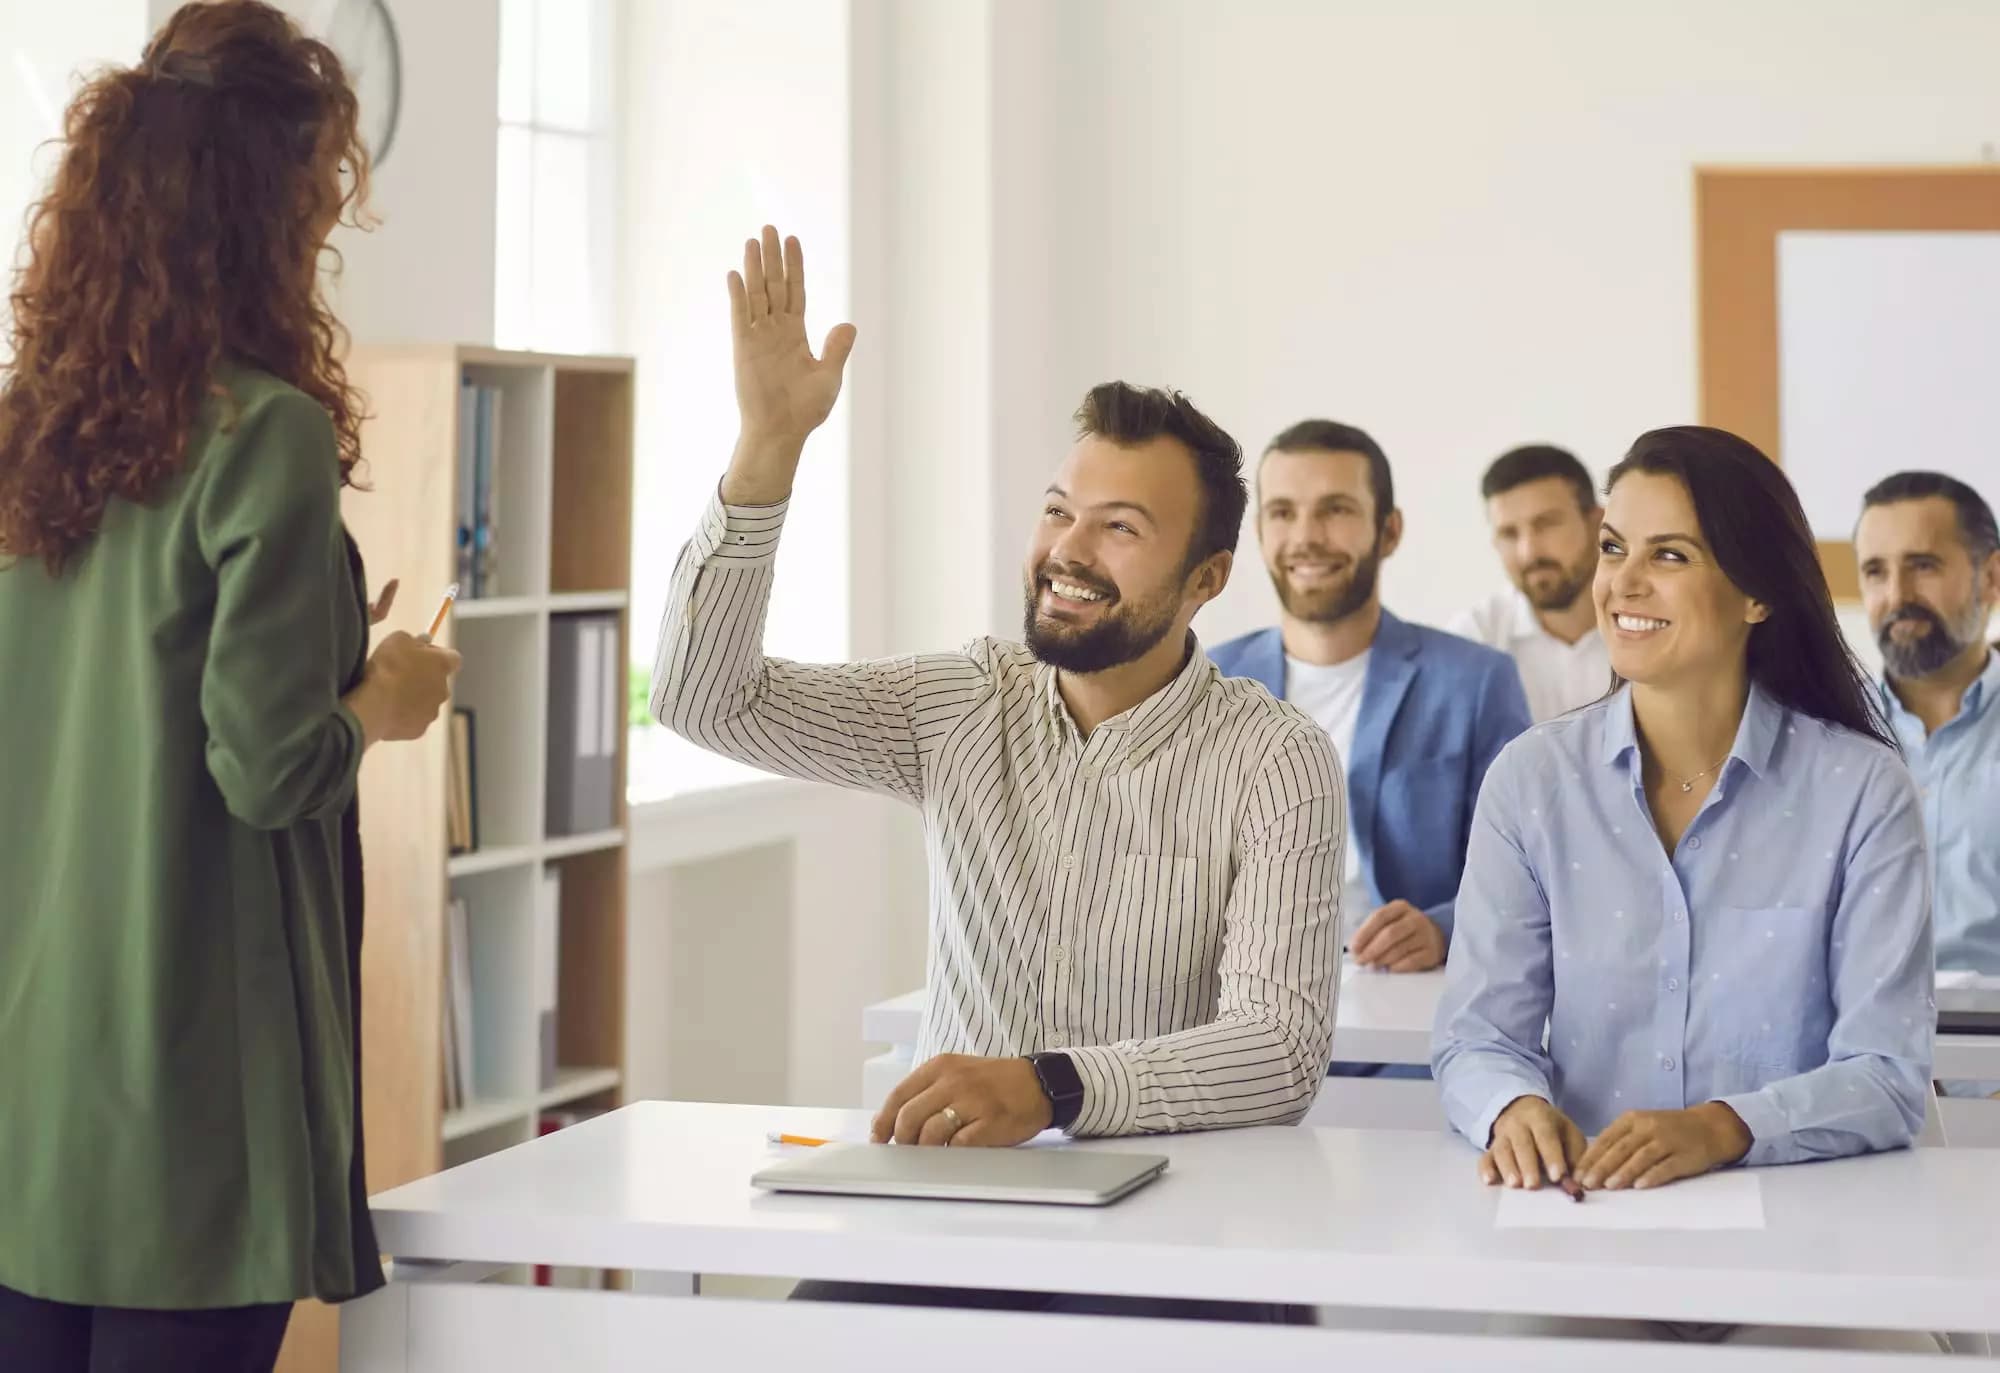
[[1718, 1201]]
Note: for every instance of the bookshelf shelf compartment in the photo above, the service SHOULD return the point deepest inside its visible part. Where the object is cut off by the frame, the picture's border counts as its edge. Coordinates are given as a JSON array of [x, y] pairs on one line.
[[521, 477], [500, 684]]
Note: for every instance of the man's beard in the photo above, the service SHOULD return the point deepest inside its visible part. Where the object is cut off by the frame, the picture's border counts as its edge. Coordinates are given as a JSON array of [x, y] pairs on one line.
[[1121, 633], [1328, 604], [1571, 582], [1925, 654]]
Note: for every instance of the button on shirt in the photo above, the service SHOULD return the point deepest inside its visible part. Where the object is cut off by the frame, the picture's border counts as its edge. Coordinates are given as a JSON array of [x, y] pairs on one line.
[[1159, 899], [1780, 963], [1958, 775], [1558, 677]]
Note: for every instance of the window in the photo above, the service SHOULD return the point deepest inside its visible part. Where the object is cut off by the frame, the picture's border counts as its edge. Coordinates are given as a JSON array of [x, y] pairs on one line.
[[555, 233], [640, 142], [732, 116]]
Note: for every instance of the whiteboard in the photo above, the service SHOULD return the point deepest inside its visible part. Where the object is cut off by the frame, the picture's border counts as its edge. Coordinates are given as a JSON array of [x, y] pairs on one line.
[[1888, 359]]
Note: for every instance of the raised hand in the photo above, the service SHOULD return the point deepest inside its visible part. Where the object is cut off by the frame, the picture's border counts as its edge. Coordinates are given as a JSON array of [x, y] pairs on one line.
[[783, 392]]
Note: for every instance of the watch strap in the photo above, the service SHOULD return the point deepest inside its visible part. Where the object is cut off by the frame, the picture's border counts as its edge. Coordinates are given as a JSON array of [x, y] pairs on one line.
[[1063, 1086]]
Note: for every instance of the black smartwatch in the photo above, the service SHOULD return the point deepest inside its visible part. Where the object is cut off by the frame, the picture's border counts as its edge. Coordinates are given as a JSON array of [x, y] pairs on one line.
[[1062, 1085]]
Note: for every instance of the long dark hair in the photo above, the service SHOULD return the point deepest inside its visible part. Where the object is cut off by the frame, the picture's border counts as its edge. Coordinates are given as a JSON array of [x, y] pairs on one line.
[[1753, 522], [181, 229]]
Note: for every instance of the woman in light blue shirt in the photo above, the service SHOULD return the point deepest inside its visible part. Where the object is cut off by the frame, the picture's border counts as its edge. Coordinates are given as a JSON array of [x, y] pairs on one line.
[[1710, 886]]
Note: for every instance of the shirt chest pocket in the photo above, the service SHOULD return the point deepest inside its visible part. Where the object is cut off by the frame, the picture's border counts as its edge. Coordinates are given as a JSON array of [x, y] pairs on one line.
[[1762, 971], [1159, 923]]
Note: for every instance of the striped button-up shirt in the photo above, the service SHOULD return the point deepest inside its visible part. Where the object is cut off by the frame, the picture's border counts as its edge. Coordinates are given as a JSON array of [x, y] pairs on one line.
[[1778, 961], [1159, 899]]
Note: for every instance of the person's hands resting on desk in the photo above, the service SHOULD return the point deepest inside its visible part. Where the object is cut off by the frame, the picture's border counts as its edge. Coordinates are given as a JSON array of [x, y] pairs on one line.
[[1650, 1148], [1533, 1141], [965, 1100], [1399, 938]]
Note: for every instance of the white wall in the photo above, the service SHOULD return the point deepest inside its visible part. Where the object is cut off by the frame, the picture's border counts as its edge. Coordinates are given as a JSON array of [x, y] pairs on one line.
[[1461, 224], [735, 116], [44, 51], [425, 274]]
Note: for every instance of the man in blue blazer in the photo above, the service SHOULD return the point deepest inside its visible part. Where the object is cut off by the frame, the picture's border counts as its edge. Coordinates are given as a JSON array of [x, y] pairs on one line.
[[1416, 714]]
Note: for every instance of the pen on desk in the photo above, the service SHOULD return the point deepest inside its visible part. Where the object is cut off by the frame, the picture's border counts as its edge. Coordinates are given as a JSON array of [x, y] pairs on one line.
[[805, 1141], [1571, 1188], [444, 609]]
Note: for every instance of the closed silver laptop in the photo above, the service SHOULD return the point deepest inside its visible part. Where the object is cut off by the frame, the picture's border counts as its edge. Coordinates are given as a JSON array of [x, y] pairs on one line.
[[1051, 1176]]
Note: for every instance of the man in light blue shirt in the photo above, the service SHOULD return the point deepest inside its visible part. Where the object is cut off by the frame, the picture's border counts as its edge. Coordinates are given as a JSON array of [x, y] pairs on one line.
[[1930, 576], [1929, 556], [1811, 832]]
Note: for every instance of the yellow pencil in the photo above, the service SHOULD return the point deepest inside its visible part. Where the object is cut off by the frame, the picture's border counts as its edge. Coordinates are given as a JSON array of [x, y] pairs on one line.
[[806, 1141], [444, 609]]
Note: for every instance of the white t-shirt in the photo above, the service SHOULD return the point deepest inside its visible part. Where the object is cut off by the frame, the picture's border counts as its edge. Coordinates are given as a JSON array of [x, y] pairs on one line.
[[1332, 696], [1558, 677]]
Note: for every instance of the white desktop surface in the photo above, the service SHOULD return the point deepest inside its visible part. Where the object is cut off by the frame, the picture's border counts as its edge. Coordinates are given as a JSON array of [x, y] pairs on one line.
[[1384, 1017], [1377, 1218]]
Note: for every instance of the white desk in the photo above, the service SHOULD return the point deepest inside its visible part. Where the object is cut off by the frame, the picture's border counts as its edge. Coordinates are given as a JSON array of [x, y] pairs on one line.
[[1375, 1218]]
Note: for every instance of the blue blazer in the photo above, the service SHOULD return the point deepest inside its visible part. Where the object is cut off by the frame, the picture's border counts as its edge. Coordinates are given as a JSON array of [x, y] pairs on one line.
[[1435, 712]]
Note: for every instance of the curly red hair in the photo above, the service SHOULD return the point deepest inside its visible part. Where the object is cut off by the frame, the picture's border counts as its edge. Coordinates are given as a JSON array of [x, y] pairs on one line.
[[183, 228]]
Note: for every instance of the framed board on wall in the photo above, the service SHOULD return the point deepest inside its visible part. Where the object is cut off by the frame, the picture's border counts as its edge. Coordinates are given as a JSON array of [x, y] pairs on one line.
[[1849, 326]]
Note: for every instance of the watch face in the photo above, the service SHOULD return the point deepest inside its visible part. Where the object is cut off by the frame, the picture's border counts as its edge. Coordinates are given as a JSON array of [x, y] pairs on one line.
[[363, 33]]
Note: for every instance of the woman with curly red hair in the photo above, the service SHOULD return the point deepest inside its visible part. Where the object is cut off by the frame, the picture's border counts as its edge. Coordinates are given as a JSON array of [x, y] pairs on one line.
[[185, 632]]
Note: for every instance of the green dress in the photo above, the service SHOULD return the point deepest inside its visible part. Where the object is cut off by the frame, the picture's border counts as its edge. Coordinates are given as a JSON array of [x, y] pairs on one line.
[[180, 886]]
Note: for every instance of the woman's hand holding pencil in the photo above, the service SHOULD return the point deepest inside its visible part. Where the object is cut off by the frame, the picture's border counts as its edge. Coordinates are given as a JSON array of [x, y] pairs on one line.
[[407, 680]]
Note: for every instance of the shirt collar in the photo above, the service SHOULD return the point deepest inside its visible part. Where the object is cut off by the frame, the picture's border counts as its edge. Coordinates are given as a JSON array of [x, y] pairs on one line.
[[1985, 689], [1527, 624], [1145, 726], [1756, 735]]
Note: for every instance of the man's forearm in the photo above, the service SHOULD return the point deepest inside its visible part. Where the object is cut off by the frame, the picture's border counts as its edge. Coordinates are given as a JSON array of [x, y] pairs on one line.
[[844, 723], [761, 470], [1236, 1071]]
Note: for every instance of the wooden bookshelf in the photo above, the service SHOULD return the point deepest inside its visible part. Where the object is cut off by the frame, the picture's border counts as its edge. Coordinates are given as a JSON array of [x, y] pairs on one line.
[[563, 476]]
